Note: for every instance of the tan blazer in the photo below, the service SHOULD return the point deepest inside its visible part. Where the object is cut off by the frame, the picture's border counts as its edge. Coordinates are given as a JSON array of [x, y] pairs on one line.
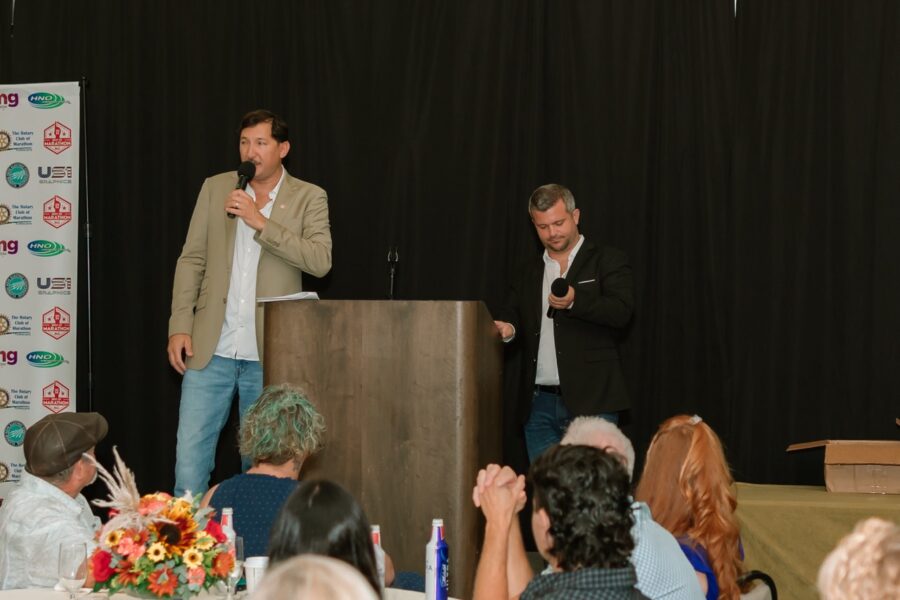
[[296, 239]]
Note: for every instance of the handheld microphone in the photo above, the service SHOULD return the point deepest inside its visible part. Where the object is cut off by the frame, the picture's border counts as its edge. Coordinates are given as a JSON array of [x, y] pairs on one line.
[[559, 288], [246, 170]]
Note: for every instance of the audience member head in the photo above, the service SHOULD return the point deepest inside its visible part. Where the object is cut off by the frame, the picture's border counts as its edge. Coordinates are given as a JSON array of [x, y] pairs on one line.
[[582, 511], [55, 449], [281, 426], [865, 564], [603, 435], [312, 576], [321, 517], [688, 485]]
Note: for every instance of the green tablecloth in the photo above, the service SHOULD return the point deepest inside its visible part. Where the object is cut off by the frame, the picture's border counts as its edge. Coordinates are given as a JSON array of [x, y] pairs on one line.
[[787, 530]]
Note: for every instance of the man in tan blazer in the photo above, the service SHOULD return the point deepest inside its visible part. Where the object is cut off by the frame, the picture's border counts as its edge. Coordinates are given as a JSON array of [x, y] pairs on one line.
[[240, 245]]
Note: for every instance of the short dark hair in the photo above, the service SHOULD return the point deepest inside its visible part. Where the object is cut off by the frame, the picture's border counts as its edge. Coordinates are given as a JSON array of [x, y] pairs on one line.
[[546, 196], [585, 492], [321, 517], [261, 115]]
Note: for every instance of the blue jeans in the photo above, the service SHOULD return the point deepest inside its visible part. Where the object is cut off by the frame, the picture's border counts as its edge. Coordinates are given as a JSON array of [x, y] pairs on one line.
[[206, 397], [548, 422]]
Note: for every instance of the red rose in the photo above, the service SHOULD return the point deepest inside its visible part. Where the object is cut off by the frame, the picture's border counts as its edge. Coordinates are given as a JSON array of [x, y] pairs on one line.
[[100, 565], [215, 530]]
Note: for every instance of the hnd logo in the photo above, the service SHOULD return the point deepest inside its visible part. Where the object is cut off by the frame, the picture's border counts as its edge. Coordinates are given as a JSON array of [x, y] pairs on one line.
[[44, 360], [16, 286], [45, 100], [45, 248], [57, 211], [14, 432], [57, 138], [55, 397], [56, 322]]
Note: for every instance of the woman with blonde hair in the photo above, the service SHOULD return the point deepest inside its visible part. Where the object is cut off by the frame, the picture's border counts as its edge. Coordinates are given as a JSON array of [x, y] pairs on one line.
[[688, 486]]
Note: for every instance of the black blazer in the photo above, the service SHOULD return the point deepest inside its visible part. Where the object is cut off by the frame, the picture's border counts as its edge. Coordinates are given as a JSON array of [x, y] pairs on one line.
[[587, 355]]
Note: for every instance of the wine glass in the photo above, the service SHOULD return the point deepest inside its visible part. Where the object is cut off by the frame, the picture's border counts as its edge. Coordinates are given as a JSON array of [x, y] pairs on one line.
[[72, 567], [235, 574]]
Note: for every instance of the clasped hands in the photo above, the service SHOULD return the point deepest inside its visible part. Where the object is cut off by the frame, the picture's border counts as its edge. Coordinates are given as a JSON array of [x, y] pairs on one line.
[[499, 492]]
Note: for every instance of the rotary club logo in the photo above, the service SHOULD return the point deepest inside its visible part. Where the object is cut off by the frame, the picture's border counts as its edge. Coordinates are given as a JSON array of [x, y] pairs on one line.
[[56, 322], [4, 398], [55, 397], [57, 138]]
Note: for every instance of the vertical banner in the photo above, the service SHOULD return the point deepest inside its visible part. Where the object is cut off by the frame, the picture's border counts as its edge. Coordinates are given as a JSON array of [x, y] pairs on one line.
[[39, 152]]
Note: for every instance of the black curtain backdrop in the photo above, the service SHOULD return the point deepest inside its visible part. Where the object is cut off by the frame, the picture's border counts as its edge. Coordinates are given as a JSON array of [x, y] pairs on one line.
[[749, 166]]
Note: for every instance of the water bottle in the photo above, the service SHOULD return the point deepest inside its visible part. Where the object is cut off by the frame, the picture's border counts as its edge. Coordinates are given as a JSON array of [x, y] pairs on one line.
[[379, 553], [437, 564]]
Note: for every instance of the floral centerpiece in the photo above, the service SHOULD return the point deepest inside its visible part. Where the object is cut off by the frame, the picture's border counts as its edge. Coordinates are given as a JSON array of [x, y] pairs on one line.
[[157, 545]]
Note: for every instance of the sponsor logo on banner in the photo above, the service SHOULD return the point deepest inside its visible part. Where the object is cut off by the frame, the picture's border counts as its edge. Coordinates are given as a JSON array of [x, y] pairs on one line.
[[16, 286], [56, 322], [15, 324], [55, 397], [14, 432], [51, 174], [15, 214], [9, 357], [54, 286], [17, 175], [57, 138], [4, 472], [9, 247], [45, 248], [9, 100], [16, 140], [46, 100], [57, 211], [44, 360], [15, 398]]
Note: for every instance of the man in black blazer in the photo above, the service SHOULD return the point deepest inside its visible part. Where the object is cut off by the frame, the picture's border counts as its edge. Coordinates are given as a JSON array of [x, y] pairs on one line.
[[571, 360]]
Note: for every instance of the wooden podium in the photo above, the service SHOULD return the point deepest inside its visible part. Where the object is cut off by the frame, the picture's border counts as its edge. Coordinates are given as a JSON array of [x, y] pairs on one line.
[[411, 395]]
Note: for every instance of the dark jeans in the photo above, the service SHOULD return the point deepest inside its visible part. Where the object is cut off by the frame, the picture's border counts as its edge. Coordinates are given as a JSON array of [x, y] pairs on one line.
[[548, 422]]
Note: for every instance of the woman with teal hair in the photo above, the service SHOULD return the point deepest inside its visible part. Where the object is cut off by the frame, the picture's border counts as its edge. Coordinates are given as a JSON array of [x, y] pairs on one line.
[[280, 431]]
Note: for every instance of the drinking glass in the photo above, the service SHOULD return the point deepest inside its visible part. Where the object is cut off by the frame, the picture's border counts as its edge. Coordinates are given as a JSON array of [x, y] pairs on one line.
[[235, 574], [72, 567]]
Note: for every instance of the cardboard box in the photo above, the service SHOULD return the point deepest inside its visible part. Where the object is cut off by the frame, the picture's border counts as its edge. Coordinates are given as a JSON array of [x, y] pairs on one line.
[[859, 466]]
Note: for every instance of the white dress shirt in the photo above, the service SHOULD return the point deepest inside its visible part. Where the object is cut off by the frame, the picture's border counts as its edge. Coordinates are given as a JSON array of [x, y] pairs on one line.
[[547, 370], [35, 519], [238, 337]]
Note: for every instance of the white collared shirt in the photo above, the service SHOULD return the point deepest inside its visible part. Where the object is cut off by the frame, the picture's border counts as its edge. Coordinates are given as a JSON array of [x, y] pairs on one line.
[[35, 519], [547, 370], [238, 337]]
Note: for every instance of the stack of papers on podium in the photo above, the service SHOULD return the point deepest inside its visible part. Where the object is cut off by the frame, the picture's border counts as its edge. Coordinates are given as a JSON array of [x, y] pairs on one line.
[[297, 296]]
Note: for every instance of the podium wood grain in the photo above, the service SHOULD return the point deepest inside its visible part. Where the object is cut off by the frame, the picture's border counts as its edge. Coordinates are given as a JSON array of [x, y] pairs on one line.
[[410, 392]]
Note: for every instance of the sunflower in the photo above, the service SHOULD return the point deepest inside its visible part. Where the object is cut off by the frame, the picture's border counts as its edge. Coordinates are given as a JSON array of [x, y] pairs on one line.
[[204, 542], [113, 538], [192, 557], [156, 552], [177, 536]]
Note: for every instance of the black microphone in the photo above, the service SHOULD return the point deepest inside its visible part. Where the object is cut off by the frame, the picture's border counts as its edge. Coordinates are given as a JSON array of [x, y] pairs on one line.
[[559, 288], [246, 170]]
